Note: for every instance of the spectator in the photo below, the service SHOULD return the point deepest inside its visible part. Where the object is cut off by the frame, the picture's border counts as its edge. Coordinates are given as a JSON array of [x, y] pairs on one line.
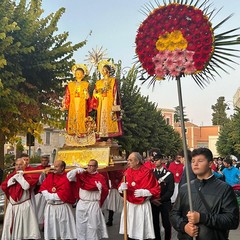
[[176, 167], [220, 166], [184, 175], [215, 208], [231, 174]]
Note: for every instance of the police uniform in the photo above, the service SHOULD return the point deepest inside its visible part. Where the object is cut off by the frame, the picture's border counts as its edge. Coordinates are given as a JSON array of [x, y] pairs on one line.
[[166, 181]]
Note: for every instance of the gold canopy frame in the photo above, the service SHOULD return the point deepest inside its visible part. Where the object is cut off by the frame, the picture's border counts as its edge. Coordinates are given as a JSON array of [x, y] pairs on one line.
[[81, 156]]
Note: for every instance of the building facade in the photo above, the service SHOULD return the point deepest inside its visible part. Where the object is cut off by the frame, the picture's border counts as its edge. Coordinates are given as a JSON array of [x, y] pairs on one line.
[[196, 136], [236, 98], [52, 140]]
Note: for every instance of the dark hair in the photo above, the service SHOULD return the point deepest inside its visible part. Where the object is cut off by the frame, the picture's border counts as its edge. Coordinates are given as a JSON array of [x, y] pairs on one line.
[[63, 165], [110, 69], [24, 155], [189, 154], [45, 157], [228, 160], [203, 151], [80, 69], [96, 162], [153, 150]]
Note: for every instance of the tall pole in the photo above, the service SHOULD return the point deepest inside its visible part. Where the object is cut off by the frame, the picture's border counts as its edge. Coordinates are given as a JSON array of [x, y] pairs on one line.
[[29, 150], [125, 237], [184, 141]]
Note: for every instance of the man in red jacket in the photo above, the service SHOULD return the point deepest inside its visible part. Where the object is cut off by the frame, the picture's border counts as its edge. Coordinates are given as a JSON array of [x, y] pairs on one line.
[[58, 192], [176, 168], [93, 190], [141, 185]]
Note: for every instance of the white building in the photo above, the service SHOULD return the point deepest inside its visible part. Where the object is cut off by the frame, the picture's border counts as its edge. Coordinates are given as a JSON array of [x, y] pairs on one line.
[[52, 140]]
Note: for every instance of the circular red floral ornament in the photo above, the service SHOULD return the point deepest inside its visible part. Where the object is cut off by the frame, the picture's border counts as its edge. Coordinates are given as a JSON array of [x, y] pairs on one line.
[[175, 40]]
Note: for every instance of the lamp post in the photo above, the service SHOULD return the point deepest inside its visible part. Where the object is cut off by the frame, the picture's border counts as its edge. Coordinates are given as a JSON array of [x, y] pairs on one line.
[[230, 107]]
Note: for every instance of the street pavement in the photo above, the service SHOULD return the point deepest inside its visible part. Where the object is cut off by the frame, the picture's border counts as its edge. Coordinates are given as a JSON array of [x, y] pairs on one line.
[[114, 235]]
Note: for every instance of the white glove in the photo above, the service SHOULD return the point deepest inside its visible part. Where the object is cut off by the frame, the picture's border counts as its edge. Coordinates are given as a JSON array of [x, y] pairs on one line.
[[20, 172], [99, 185], [21, 180], [110, 183], [45, 193], [142, 193], [80, 170], [72, 174], [53, 197], [50, 196], [11, 181], [123, 187]]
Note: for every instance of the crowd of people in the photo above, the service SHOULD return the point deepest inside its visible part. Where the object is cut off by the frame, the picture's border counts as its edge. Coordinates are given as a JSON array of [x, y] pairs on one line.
[[69, 204]]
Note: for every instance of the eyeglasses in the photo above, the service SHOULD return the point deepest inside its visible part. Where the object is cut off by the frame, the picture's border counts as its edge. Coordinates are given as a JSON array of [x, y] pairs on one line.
[[91, 165]]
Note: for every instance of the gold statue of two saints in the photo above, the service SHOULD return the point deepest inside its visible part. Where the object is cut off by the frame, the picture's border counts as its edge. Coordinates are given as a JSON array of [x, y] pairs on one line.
[[84, 130]]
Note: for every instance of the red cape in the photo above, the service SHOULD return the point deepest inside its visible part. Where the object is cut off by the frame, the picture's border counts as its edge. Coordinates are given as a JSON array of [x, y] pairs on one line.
[[86, 181], [141, 178], [62, 186], [15, 191]]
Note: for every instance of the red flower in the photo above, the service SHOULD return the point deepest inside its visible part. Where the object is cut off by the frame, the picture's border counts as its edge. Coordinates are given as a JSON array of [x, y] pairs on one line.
[[195, 28]]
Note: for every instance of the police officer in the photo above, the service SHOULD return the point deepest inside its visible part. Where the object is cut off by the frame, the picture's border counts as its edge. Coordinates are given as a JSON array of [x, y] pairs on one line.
[[163, 203]]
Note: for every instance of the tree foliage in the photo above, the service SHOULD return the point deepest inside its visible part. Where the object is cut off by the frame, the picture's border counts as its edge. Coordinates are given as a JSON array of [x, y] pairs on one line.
[[177, 118], [144, 127], [229, 137], [219, 115], [34, 62]]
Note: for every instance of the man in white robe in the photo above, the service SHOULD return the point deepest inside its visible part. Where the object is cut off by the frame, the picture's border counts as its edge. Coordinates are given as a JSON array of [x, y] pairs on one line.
[[20, 221], [59, 222], [93, 190]]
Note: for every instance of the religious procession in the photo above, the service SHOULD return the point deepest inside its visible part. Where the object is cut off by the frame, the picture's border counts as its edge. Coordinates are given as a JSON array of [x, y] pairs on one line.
[[94, 184]]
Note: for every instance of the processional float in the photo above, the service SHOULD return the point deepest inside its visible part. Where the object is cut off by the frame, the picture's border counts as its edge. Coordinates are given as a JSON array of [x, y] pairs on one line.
[[88, 138]]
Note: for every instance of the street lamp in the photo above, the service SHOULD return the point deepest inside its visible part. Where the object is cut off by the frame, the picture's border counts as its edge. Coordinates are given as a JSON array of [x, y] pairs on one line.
[[229, 108]]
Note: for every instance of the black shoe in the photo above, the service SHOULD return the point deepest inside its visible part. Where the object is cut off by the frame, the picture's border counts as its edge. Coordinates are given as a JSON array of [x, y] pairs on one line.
[[109, 224]]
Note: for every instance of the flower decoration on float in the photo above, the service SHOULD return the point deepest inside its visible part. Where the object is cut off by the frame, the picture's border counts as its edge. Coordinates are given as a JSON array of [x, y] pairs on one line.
[[178, 39]]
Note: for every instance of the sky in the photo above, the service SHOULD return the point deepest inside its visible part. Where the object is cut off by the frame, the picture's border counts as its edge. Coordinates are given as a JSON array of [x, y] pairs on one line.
[[114, 26]]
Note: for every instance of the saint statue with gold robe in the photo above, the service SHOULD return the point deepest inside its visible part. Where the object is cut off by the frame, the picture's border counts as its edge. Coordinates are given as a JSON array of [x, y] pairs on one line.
[[77, 102], [106, 101]]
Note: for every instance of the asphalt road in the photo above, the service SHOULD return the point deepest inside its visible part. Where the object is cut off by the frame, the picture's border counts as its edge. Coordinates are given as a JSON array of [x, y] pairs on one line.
[[114, 235]]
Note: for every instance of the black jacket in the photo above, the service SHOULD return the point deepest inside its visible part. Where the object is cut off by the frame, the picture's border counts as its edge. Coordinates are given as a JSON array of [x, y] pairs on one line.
[[167, 185], [214, 225]]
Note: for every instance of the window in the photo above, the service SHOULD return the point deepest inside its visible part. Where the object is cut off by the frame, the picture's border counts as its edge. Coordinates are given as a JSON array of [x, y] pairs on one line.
[[39, 151], [167, 121], [48, 138]]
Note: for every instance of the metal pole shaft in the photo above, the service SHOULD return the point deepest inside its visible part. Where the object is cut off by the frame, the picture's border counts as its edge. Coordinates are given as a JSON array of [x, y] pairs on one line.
[[184, 141]]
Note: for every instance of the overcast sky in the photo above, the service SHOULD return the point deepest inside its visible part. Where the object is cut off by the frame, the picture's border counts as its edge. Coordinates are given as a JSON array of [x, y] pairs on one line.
[[114, 25]]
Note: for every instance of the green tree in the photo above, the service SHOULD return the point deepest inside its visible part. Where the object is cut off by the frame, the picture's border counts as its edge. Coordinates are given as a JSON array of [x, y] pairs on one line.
[[229, 137], [177, 118], [35, 61], [143, 125], [219, 115]]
